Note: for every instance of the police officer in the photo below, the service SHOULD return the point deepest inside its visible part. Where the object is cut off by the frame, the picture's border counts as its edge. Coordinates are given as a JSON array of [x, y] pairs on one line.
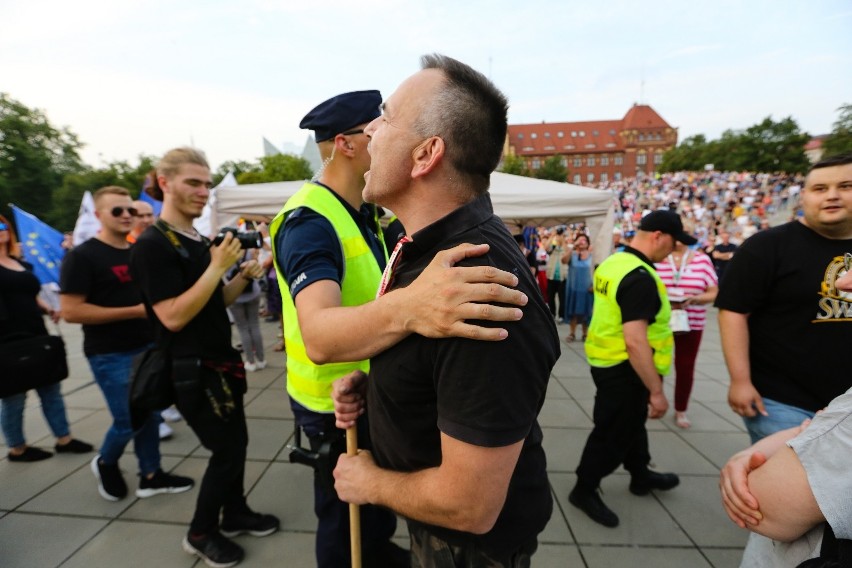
[[629, 348]]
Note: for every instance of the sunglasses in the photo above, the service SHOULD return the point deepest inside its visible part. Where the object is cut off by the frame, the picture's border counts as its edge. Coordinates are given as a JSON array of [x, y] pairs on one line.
[[119, 211], [4, 227]]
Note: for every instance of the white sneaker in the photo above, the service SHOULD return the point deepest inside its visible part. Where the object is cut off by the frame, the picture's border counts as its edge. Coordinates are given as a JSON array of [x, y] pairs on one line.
[[166, 431], [261, 364], [171, 414], [250, 367]]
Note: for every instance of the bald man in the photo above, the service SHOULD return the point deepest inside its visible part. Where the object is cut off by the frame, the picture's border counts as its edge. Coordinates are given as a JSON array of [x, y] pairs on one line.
[[143, 219]]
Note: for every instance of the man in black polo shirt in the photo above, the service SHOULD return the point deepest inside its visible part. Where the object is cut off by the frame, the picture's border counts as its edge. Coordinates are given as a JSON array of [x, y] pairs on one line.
[[98, 292], [456, 441]]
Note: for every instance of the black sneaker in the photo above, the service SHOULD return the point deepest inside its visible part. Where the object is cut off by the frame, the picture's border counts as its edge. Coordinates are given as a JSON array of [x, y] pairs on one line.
[[30, 454], [591, 503], [214, 549], [111, 484], [643, 484], [162, 482], [255, 524], [74, 447]]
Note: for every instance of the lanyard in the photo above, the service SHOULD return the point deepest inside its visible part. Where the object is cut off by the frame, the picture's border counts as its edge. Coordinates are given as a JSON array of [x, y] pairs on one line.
[[677, 274], [387, 275]]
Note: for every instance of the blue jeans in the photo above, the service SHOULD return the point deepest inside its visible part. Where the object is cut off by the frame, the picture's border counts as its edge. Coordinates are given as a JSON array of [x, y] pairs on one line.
[[112, 373], [52, 406], [781, 417]]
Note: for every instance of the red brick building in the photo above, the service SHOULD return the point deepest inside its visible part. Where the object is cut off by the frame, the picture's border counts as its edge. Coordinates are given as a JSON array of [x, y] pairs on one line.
[[596, 151]]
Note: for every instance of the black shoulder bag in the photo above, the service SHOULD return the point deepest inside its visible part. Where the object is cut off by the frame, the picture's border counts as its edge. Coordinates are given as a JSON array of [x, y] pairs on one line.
[[30, 361], [834, 552]]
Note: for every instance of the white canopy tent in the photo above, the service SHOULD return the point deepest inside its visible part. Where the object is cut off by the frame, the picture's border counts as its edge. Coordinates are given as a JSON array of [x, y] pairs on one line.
[[518, 200]]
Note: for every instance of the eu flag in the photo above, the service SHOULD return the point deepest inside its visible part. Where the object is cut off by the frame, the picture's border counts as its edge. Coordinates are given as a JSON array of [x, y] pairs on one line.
[[41, 245]]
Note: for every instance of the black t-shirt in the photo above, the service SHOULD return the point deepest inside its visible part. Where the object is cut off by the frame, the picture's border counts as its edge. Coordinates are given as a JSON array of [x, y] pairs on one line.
[[800, 325], [101, 274], [162, 273], [20, 312], [637, 294], [483, 393]]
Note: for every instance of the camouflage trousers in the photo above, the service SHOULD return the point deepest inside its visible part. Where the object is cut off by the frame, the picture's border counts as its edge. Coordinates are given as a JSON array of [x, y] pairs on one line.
[[430, 551]]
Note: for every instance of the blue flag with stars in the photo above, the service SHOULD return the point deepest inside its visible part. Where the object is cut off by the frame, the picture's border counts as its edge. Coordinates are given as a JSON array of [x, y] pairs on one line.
[[41, 245]]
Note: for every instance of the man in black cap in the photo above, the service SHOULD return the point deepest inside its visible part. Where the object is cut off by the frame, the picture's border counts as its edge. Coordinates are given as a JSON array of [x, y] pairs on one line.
[[329, 254], [629, 348]]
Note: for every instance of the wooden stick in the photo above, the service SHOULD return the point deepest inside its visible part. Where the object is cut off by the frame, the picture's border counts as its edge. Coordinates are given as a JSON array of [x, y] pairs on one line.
[[354, 513]]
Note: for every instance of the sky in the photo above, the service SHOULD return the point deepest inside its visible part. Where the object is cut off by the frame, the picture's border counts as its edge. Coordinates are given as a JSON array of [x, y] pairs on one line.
[[140, 77]]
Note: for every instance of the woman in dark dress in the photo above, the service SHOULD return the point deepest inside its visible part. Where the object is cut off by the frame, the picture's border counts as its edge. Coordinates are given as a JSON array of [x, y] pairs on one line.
[[22, 312]]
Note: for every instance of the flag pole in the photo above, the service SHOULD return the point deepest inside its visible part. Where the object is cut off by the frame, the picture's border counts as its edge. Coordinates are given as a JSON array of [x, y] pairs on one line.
[[354, 513]]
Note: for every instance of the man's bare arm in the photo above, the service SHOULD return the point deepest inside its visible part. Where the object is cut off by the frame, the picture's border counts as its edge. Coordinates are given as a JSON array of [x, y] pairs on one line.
[[641, 358], [742, 396], [786, 500], [466, 492], [436, 304], [75, 309]]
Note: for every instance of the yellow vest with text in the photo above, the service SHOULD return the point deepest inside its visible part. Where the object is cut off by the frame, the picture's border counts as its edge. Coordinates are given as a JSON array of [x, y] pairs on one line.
[[605, 345], [308, 383]]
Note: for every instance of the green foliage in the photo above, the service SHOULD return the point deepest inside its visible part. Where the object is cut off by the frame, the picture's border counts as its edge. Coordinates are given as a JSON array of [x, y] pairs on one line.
[[67, 198], [238, 167], [552, 169], [768, 146], [281, 167], [516, 165], [840, 139], [34, 155]]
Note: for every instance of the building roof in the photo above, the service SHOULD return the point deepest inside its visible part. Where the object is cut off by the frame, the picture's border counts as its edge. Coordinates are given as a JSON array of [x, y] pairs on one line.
[[642, 116], [581, 137]]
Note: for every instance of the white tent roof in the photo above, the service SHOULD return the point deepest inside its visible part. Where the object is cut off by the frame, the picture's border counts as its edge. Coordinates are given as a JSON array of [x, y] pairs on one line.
[[517, 200]]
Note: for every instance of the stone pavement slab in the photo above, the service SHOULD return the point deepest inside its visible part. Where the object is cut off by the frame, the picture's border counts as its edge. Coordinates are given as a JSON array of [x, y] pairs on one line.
[[51, 514]]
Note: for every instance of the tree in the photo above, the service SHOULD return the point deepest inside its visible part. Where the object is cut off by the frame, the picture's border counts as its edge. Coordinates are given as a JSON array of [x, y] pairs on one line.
[[515, 165], [238, 167], [67, 198], [840, 139], [768, 146], [772, 146], [34, 156], [281, 167], [553, 169]]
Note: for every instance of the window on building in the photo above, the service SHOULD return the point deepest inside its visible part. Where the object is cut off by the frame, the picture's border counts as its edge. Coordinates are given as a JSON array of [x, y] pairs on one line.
[[582, 133], [568, 146], [612, 132], [533, 135], [550, 147], [658, 158], [594, 132], [577, 179], [590, 161], [616, 176], [547, 134], [564, 162], [590, 178], [604, 177], [641, 137], [641, 159], [521, 136], [560, 134], [536, 163], [573, 134], [578, 162], [605, 160], [618, 160]]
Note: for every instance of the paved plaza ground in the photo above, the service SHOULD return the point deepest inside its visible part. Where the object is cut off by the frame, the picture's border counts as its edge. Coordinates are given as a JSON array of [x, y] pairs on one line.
[[51, 514]]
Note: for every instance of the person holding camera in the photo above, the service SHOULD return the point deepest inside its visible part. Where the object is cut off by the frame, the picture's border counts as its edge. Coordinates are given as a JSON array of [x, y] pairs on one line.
[[98, 292], [180, 275]]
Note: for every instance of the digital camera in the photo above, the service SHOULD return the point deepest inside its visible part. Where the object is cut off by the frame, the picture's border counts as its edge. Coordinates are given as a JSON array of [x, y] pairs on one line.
[[248, 240]]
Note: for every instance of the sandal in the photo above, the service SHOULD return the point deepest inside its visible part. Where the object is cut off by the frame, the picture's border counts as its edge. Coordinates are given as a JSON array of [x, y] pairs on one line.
[[570, 338], [682, 421]]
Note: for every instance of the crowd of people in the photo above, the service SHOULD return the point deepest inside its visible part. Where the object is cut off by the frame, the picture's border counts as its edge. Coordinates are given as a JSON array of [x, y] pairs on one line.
[[387, 340]]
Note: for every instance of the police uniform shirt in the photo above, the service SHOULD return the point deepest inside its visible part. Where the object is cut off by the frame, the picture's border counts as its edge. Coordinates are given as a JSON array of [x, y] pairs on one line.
[[308, 249]]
